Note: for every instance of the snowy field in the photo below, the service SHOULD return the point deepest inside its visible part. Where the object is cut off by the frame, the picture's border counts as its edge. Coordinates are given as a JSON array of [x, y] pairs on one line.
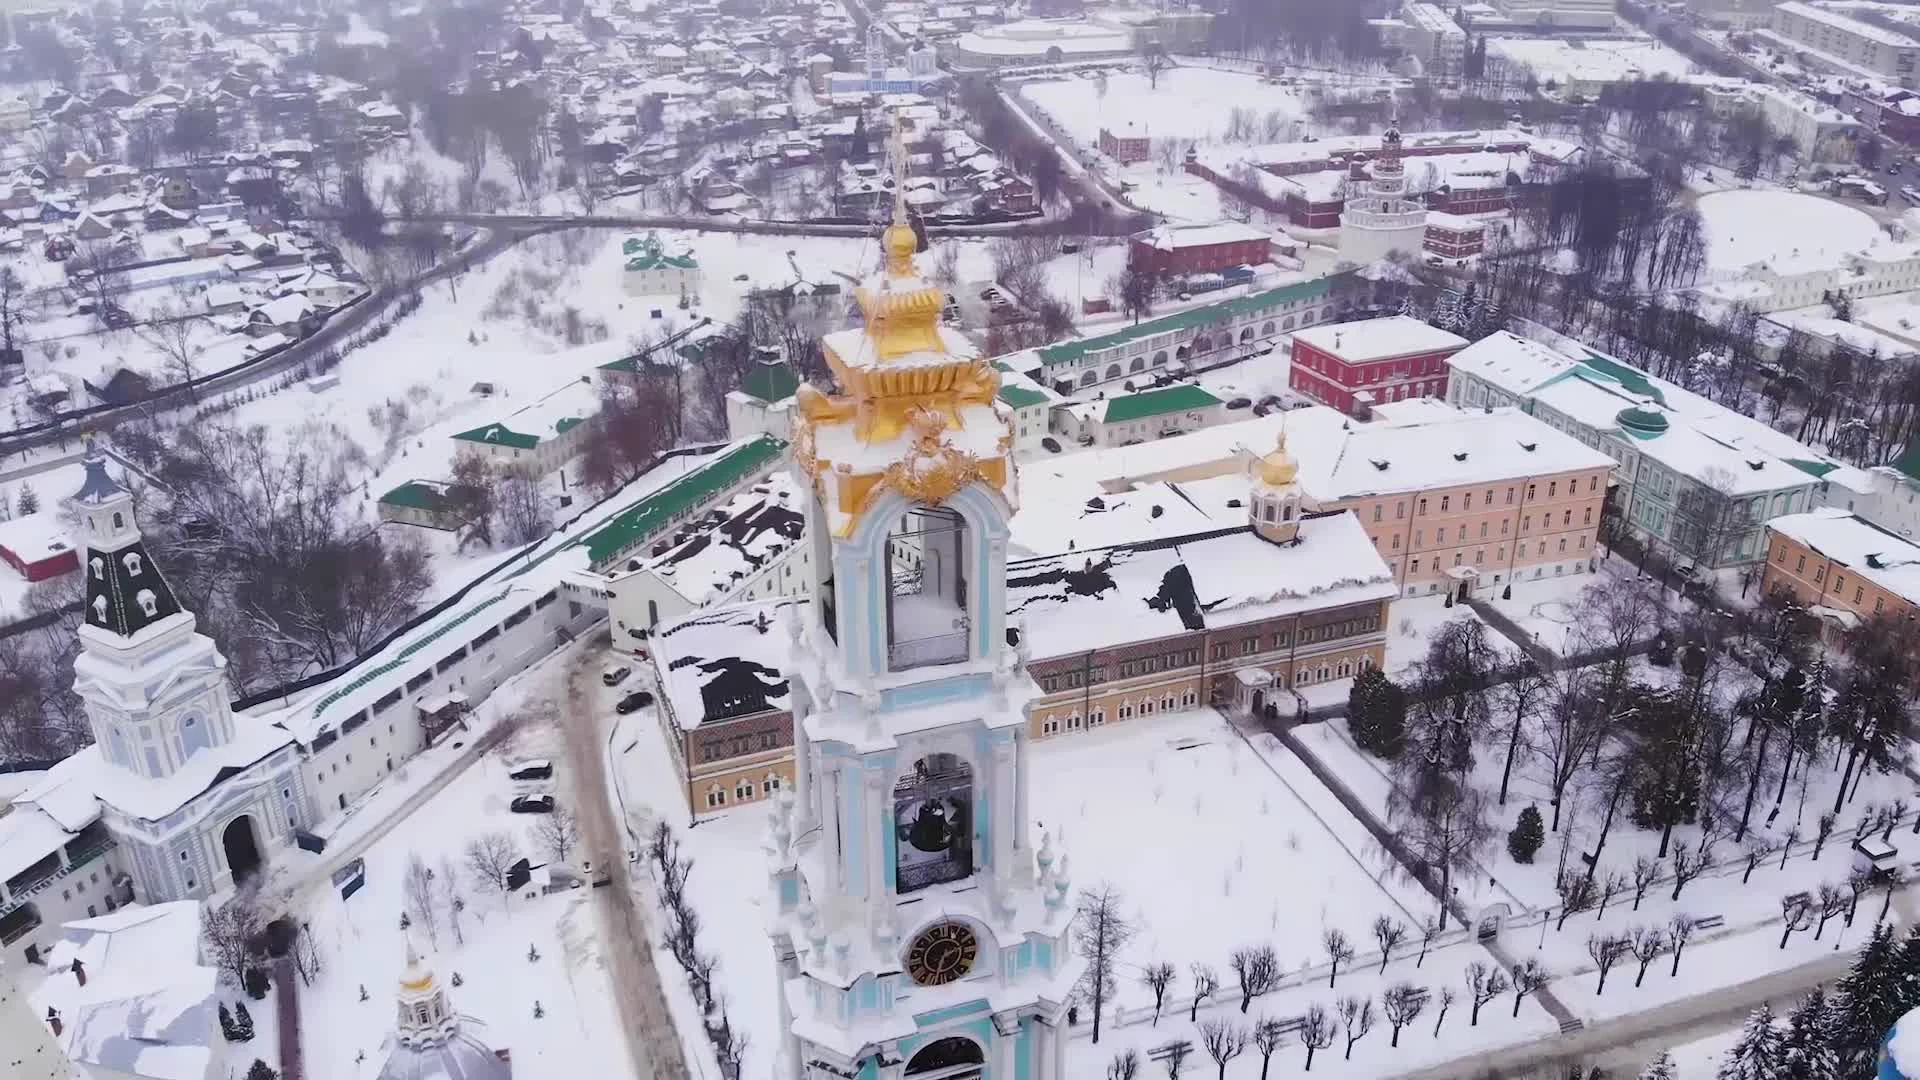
[[1193, 104], [1745, 227], [1592, 61]]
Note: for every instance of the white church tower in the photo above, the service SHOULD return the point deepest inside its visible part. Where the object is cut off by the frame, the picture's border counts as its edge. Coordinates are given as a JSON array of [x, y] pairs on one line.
[[28, 1049], [918, 934], [195, 802]]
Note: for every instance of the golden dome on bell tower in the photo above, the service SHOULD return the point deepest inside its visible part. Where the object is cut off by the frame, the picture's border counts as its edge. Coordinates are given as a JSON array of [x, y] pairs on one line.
[[1277, 468]]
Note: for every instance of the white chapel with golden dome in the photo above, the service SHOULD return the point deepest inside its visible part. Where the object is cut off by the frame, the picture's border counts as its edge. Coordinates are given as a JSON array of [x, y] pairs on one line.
[[918, 931]]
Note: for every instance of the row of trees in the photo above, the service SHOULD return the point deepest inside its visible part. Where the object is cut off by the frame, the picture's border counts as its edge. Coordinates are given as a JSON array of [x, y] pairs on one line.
[[672, 869]]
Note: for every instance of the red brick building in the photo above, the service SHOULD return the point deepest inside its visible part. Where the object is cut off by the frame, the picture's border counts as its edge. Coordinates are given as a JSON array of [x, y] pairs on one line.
[[1199, 249], [1453, 237], [36, 546], [1127, 147], [1896, 115], [1354, 365]]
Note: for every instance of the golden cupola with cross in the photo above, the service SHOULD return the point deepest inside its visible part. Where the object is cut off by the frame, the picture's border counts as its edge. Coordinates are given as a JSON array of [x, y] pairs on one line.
[[913, 408]]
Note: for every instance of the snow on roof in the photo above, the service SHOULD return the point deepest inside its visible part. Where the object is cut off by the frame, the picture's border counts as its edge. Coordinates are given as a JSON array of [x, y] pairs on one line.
[[726, 663], [1176, 237], [1378, 339], [35, 537], [1846, 24], [559, 412], [1100, 597], [1879, 556], [1061, 514], [148, 1008], [734, 541], [1339, 459], [27, 835]]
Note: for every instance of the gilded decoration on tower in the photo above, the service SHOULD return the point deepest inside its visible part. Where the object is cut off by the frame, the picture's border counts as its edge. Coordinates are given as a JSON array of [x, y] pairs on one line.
[[906, 385]]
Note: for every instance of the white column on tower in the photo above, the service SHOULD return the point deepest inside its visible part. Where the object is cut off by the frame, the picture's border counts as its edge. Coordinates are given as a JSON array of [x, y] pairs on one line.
[[1006, 809], [1022, 822]]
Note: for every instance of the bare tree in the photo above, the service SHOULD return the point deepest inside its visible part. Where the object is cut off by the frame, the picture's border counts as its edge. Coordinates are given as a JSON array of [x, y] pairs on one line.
[[1645, 872], [1125, 1065], [1100, 931], [421, 897], [1429, 930], [1483, 985], [1756, 848], [1356, 1015], [1520, 695], [1528, 976], [1646, 944], [229, 932], [1606, 950], [305, 955], [490, 858], [1447, 998], [1796, 914], [1205, 982], [558, 833], [1690, 863], [450, 897], [1224, 1040], [1832, 903], [1158, 976], [173, 330], [1576, 894], [1388, 932], [14, 302], [1680, 930], [1402, 1003], [99, 270], [1256, 967], [1268, 1034], [1339, 950], [526, 514], [1316, 1032]]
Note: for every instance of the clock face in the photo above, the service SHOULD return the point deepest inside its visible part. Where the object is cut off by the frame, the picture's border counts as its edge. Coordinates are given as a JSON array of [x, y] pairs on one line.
[[942, 953]]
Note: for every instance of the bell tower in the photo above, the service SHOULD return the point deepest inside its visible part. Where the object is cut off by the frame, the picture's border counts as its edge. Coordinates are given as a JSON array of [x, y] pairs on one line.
[[916, 930], [1274, 509]]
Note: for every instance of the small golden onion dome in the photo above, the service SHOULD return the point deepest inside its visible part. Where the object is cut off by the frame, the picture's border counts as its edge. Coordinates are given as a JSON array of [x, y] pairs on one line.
[[900, 244], [1277, 468], [417, 978]]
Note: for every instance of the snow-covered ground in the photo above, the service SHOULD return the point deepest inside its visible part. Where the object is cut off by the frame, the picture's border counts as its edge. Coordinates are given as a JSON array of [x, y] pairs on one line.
[[1590, 61], [1785, 228], [362, 944], [1189, 103]]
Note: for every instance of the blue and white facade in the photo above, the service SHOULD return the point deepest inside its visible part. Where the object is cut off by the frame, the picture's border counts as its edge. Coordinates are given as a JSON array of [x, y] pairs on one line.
[[192, 797]]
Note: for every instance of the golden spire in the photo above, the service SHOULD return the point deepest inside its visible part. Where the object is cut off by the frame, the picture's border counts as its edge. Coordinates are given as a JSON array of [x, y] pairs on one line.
[[898, 241]]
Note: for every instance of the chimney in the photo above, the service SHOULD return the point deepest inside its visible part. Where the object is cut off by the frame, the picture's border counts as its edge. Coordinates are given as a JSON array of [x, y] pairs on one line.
[[80, 972], [54, 1021]]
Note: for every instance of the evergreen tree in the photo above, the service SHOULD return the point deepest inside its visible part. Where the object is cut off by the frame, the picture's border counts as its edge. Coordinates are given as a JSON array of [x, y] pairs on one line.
[[1377, 713], [226, 1023], [242, 1022], [1866, 1002], [1660, 1068], [1807, 1055], [1527, 835], [29, 500], [260, 1070], [1760, 1054]]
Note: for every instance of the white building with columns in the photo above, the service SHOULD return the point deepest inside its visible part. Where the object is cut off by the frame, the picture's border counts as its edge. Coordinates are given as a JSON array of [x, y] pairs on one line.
[[918, 935]]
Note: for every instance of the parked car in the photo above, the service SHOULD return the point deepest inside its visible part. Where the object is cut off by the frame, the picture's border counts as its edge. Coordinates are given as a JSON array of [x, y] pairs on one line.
[[537, 769], [639, 699], [1051, 444], [532, 804], [615, 674], [1240, 403]]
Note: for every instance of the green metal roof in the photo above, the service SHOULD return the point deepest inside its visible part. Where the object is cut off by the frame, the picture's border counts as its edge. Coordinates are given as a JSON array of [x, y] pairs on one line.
[[655, 262], [1818, 469], [1069, 351], [1631, 378], [643, 518], [1158, 402], [1909, 460], [1022, 398], [499, 435], [1641, 423], [770, 382], [417, 496]]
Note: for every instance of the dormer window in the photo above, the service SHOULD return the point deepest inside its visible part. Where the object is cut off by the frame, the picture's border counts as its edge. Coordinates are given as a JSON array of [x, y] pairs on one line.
[[148, 602], [100, 609], [132, 561], [119, 520], [99, 567]]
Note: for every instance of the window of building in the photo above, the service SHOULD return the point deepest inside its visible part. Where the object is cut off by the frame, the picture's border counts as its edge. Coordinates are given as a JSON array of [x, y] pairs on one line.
[[716, 796], [1444, 501], [1423, 508], [1399, 510], [1801, 566], [1396, 541], [1532, 489], [1840, 583], [1050, 726], [1416, 566], [1376, 512]]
